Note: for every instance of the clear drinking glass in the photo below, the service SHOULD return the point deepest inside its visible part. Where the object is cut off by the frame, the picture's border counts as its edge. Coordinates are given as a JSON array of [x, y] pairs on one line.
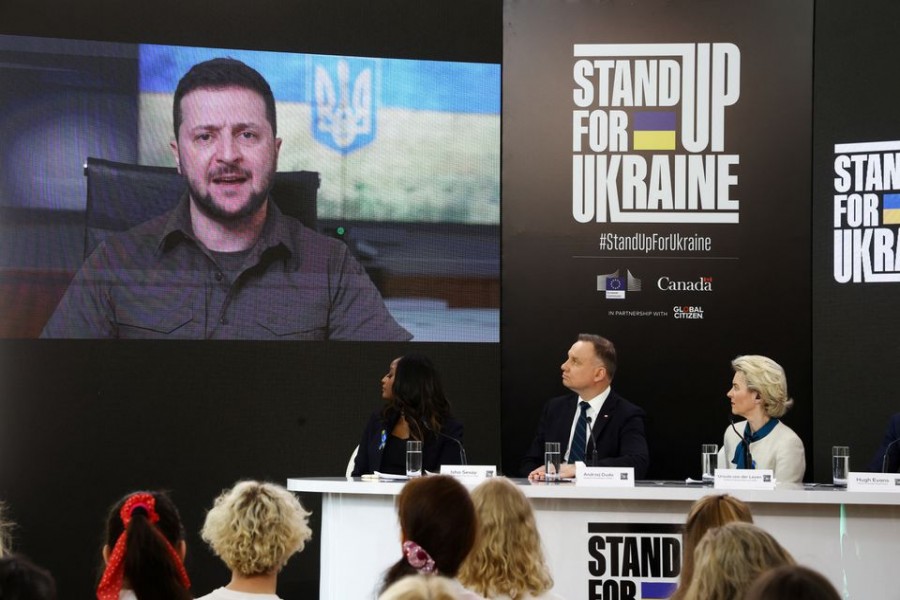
[[840, 465], [552, 459], [709, 460], [413, 458]]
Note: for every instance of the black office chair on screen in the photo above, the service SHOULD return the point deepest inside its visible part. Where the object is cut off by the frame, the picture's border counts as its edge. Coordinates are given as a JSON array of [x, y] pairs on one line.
[[121, 195]]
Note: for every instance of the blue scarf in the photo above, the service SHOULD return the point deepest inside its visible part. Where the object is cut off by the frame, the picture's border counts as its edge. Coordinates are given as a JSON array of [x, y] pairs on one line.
[[752, 437]]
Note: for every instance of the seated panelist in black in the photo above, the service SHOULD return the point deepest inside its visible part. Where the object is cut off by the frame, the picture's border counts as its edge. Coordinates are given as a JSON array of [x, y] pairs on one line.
[[887, 459], [415, 409], [617, 425]]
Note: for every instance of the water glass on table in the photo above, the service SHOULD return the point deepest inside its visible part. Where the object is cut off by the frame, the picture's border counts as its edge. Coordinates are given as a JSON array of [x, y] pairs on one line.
[[413, 458]]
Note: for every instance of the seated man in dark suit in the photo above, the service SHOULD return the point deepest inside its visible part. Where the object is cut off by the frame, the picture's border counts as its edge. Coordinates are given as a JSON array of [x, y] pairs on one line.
[[887, 459], [617, 424]]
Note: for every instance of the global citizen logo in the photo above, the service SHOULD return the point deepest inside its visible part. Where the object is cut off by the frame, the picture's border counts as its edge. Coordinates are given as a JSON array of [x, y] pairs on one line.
[[616, 285], [648, 133], [702, 284], [687, 312]]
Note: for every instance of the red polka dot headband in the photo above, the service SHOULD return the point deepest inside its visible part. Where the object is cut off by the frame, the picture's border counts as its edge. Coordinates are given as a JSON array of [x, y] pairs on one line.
[[111, 582]]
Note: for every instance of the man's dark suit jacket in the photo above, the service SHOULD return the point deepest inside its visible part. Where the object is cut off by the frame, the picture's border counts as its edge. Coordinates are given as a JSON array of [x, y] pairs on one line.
[[892, 464], [618, 429]]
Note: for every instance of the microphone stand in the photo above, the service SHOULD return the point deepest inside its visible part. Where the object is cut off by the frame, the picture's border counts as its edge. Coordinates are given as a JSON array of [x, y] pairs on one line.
[[748, 458], [887, 454]]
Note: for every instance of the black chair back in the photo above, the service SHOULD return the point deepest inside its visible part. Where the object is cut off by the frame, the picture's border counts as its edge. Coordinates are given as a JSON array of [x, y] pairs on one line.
[[121, 195]]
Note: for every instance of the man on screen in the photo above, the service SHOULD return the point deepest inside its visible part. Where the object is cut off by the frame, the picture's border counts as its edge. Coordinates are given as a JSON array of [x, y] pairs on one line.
[[225, 263], [616, 425]]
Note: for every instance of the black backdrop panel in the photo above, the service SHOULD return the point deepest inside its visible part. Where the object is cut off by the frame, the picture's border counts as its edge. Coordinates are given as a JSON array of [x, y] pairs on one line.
[[81, 423], [855, 337], [568, 268]]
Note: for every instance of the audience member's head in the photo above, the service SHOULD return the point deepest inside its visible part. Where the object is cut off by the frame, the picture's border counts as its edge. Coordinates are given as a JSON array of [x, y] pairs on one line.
[[792, 582], [420, 587], [707, 512], [256, 527], [419, 395], [507, 558], [438, 528], [144, 549], [729, 559], [20, 579]]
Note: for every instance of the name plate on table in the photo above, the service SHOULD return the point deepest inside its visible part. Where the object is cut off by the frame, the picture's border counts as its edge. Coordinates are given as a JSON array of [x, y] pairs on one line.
[[873, 482], [470, 473], [613, 477], [744, 479]]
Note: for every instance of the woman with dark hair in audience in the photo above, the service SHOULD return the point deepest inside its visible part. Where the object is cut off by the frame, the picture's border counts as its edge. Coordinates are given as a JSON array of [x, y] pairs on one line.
[[507, 562], [144, 550], [255, 528], [20, 579], [707, 512], [438, 528], [729, 559], [415, 409], [792, 582]]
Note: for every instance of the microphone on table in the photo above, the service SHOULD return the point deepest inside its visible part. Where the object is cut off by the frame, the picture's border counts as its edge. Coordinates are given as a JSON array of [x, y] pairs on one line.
[[590, 436], [462, 451], [748, 458], [887, 454]]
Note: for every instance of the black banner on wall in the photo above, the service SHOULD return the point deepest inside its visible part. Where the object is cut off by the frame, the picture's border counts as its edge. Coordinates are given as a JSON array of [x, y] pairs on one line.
[[856, 187], [656, 191]]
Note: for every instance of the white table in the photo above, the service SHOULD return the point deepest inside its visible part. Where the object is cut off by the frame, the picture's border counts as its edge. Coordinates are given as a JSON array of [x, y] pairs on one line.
[[853, 538]]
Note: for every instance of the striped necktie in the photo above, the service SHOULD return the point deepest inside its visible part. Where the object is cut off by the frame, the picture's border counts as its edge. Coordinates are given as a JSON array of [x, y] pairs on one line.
[[579, 439]]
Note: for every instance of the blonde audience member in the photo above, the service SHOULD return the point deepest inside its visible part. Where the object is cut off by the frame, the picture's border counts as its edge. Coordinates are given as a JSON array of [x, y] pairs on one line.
[[144, 550], [792, 582], [507, 561], [254, 528], [706, 513], [421, 587], [437, 530], [729, 559]]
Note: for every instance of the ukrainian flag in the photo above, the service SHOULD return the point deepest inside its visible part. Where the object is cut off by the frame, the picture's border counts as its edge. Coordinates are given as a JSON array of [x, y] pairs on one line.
[[429, 149], [890, 209], [654, 130]]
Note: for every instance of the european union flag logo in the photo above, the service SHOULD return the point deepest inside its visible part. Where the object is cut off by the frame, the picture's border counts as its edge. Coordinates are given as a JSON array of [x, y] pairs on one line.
[[653, 130]]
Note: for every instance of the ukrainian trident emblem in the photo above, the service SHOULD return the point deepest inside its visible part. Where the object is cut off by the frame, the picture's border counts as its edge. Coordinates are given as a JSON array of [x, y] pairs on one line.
[[344, 107]]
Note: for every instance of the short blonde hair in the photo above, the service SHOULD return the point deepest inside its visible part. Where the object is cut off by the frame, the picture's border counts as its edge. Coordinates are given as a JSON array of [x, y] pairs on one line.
[[420, 587], [729, 559], [765, 377], [256, 527], [507, 558]]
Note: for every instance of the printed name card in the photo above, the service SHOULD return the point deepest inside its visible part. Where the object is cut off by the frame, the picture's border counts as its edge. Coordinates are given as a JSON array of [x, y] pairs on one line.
[[744, 479], [873, 482], [613, 477], [470, 473]]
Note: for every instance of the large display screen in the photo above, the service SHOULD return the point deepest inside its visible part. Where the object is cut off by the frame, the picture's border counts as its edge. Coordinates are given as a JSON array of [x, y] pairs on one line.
[[407, 152]]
